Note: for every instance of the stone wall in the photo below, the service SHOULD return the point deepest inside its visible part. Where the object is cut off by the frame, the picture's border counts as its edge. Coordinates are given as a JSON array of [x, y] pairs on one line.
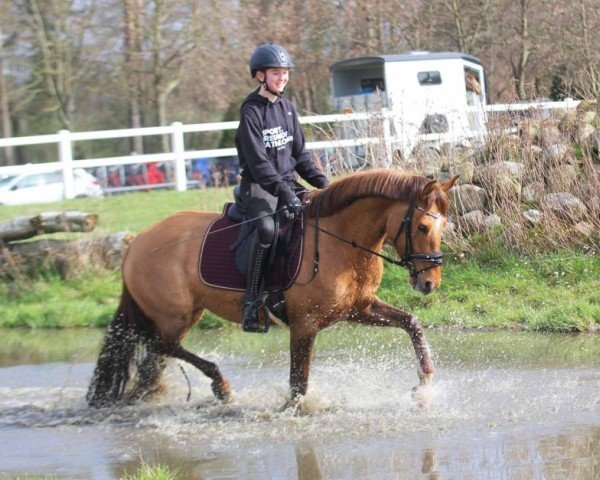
[[547, 174]]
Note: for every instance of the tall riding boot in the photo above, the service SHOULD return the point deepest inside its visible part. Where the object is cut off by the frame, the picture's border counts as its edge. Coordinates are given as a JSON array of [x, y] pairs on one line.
[[252, 300]]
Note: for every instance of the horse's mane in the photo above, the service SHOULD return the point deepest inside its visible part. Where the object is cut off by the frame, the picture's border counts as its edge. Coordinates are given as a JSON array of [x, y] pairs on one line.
[[386, 184]]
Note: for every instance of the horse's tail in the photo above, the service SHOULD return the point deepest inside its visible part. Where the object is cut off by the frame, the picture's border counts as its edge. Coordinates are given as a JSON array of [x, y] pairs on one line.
[[129, 330]]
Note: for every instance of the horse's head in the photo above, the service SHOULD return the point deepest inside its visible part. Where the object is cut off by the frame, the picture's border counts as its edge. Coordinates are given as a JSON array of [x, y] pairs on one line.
[[415, 229]]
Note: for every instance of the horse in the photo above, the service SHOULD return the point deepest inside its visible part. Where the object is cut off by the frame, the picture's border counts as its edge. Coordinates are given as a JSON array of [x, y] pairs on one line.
[[347, 224]]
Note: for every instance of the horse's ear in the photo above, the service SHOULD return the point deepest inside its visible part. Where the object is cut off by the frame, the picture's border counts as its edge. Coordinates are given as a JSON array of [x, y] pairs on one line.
[[447, 185], [427, 189]]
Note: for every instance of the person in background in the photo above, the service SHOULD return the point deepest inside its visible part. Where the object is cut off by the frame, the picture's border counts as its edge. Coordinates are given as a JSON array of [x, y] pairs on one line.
[[271, 150], [215, 173], [154, 175]]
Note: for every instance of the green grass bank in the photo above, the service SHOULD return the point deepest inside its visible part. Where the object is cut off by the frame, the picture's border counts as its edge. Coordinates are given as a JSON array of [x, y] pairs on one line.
[[491, 288]]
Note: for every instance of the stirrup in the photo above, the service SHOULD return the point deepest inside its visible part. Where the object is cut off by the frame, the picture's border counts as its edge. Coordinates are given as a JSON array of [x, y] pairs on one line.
[[250, 320]]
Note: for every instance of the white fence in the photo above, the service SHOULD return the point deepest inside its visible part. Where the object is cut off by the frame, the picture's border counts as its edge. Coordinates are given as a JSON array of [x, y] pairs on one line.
[[64, 140]]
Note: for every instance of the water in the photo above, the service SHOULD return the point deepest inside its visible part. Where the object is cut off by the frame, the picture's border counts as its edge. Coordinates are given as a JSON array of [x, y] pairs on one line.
[[504, 405]]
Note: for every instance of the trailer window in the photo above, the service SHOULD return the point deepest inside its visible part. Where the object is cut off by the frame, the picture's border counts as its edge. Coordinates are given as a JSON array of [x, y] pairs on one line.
[[368, 85], [472, 81], [429, 78]]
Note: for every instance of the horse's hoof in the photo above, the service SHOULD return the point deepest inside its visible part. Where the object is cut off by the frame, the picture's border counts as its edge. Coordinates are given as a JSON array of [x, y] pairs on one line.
[[425, 380], [290, 405], [422, 396], [294, 405], [222, 390]]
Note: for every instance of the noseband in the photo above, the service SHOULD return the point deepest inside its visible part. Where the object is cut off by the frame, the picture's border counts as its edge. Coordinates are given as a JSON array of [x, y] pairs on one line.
[[434, 259]]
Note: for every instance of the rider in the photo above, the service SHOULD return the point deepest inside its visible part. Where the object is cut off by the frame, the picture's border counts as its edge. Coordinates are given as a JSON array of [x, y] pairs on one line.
[[270, 146]]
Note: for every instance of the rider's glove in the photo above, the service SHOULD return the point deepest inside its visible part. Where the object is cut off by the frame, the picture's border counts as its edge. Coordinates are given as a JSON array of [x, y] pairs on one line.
[[292, 203]]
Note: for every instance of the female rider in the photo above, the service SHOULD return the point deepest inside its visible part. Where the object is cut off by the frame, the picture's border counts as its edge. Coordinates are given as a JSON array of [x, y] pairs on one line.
[[271, 149]]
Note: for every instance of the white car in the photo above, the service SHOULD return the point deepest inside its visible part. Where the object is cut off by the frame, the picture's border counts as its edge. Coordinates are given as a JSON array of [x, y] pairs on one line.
[[34, 186]]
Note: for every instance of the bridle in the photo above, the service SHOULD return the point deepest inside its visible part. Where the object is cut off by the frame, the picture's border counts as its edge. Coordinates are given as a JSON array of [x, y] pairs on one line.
[[434, 259]]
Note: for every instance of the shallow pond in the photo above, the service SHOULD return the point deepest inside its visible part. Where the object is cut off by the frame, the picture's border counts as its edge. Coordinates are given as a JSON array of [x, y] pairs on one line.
[[504, 405]]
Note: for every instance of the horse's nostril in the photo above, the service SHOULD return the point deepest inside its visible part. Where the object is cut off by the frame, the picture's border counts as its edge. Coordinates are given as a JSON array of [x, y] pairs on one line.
[[428, 286]]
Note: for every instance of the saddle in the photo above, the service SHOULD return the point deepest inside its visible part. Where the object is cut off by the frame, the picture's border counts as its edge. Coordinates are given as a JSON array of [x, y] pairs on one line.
[[223, 254]]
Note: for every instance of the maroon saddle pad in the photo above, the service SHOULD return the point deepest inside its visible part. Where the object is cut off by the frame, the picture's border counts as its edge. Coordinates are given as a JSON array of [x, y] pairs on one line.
[[217, 266]]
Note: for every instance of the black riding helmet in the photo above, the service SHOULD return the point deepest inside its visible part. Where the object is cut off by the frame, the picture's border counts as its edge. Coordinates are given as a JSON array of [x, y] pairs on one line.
[[269, 55]]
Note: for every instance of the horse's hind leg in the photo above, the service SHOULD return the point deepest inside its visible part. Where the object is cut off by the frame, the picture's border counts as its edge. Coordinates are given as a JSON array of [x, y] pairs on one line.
[[149, 372], [220, 386], [383, 314]]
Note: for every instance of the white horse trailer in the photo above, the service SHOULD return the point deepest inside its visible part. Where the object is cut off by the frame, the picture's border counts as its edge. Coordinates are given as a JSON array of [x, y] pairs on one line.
[[440, 94]]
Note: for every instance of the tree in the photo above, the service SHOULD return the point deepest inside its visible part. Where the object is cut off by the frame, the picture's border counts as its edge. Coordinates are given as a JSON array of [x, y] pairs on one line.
[[57, 29], [582, 22], [9, 156], [132, 49]]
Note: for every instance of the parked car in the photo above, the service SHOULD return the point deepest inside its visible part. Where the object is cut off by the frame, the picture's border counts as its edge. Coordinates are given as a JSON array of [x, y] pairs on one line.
[[20, 187]]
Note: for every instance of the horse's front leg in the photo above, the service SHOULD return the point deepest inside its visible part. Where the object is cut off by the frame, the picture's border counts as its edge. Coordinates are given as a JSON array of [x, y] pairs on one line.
[[382, 314], [301, 346]]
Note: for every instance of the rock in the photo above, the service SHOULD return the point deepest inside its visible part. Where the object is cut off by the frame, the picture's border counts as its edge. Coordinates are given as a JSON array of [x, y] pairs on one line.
[[532, 217], [564, 205], [64, 256], [428, 162], [593, 204], [585, 229], [587, 106], [502, 179], [550, 135], [535, 152], [514, 168], [492, 221], [562, 177], [556, 152], [589, 117], [568, 122], [532, 192], [473, 221], [465, 170], [585, 133], [456, 151], [529, 129], [514, 139], [488, 172], [506, 147], [466, 198], [449, 229], [512, 234]]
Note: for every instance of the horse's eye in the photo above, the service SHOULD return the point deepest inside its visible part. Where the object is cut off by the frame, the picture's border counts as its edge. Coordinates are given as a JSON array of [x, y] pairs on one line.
[[422, 228]]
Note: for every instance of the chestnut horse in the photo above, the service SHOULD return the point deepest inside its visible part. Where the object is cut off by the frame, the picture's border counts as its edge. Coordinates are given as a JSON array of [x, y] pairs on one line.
[[349, 222]]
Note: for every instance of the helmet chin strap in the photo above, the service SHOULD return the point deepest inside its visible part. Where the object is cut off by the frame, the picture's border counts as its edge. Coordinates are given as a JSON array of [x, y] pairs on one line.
[[277, 94], [264, 84]]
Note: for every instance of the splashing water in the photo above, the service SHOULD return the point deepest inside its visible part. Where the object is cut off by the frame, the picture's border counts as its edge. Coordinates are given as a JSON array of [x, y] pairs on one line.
[[501, 405]]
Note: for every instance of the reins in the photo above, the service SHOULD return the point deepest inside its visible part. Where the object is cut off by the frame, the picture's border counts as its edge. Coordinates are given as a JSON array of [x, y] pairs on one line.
[[435, 259]]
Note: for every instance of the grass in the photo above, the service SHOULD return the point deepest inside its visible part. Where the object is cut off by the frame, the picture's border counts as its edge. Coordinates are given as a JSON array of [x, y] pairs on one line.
[[491, 289], [153, 472], [87, 300], [133, 211], [554, 293]]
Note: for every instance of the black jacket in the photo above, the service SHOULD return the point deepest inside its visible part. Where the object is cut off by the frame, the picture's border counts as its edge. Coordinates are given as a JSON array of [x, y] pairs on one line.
[[270, 145]]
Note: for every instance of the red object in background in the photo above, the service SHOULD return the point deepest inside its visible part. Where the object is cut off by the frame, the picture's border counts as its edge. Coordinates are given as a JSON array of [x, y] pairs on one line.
[[114, 180], [154, 175]]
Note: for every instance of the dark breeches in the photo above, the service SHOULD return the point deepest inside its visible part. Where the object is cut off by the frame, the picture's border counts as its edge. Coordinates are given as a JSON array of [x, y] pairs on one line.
[[259, 203], [265, 227]]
